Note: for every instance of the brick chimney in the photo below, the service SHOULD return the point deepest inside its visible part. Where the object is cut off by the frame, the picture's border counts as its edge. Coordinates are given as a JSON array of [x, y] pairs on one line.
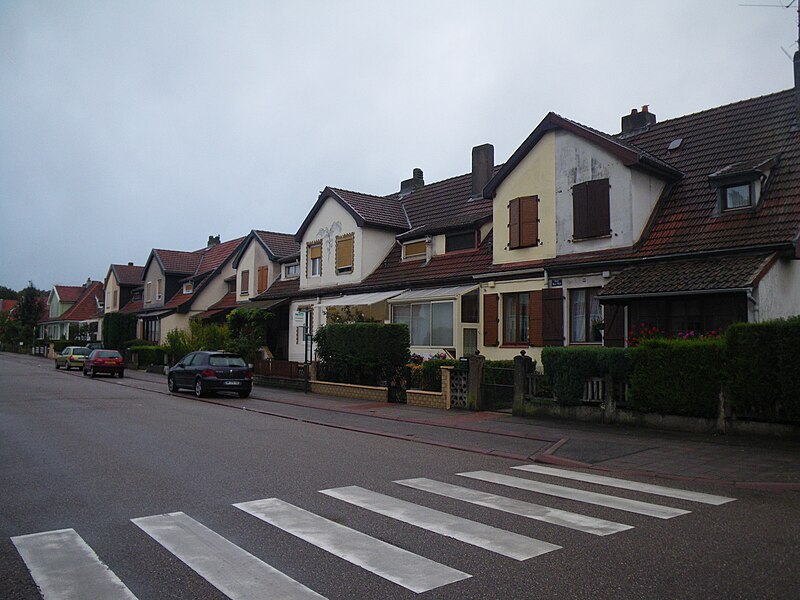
[[130, 264], [638, 121], [409, 185], [482, 168], [213, 240]]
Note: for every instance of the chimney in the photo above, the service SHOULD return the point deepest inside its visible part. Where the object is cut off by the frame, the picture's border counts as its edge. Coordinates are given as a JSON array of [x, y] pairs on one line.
[[638, 121], [482, 168], [130, 264], [416, 182], [212, 241]]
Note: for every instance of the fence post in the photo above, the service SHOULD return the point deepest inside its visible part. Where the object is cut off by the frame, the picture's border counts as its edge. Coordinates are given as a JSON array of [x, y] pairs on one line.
[[475, 381], [609, 403], [522, 367], [447, 371]]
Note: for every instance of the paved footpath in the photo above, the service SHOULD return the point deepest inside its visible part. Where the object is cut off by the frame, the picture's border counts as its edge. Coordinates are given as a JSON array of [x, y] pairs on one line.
[[741, 461]]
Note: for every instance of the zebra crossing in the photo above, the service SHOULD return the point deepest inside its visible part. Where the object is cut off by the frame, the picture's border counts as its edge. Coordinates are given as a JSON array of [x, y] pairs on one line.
[[65, 567]]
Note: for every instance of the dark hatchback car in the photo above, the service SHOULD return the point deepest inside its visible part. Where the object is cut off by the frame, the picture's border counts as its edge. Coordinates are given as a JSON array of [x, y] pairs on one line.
[[206, 372], [104, 361]]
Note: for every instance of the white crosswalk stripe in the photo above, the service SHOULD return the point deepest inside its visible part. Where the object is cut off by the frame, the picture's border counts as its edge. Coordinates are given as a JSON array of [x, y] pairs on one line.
[[65, 567], [477, 534], [627, 485], [626, 504], [232, 570], [411, 571], [546, 514]]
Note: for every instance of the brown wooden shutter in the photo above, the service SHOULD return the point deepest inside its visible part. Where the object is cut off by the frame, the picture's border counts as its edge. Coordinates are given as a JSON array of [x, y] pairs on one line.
[[315, 251], [553, 317], [535, 334], [598, 216], [580, 211], [529, 221], [262, 278], [490, 320], [614, 325], [513, 224], [344, 253], [245, 282]]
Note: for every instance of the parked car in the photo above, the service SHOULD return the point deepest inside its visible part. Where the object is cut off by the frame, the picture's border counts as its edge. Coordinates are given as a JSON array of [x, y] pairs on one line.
[[72, 356], [104, 361], [206, 371]]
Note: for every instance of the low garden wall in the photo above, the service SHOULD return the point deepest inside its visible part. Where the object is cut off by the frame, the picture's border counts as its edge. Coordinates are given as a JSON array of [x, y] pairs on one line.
[[347, 390]]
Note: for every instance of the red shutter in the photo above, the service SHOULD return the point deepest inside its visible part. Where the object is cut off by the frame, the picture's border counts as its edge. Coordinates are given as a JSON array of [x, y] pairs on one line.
[[513, 224], [490, 320], [552, 317], [535, 334], [598, 221], [580, 216], [529, 221], [614, 325]]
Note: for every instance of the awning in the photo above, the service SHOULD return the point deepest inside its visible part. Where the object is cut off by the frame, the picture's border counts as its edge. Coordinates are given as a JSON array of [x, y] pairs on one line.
[[714, 275], [156, 313], [263, 303], [443, 293], [360, 299]]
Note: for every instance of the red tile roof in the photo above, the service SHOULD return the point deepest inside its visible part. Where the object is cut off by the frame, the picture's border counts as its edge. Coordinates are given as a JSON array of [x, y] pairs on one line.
[[69, 293], [178, 261], [128, 274], [381, 211], [281, 245], [133, 306], [216, 255], [281, 289], [87, 305], [7, 305], [748, 131]]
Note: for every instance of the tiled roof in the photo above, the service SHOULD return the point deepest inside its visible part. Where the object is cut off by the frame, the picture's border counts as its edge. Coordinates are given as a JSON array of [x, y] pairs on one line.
[[227, 301], [69, 293], [280, 289], [381, 211], [748, 131], [7, 305], [86, 307], [694, 275], [128, 274], [280, 244], [133, 306], [440, 201], [216, 255], [178, 261]]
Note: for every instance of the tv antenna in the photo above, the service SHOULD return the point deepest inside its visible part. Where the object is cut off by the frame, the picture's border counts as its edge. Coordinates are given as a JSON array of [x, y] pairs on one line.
[[784, 6]]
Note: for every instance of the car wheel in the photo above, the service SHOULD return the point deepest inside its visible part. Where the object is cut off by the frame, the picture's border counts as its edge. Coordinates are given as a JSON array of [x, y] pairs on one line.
[[92, 373], [68, 367], [244, 394], [199, 390], [58, 366], [171, 385], [85, 373], [121, 374]]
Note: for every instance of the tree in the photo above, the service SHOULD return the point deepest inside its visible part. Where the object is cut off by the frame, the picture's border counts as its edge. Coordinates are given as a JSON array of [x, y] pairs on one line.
[[248, 331], [29, 311], [7, 293]]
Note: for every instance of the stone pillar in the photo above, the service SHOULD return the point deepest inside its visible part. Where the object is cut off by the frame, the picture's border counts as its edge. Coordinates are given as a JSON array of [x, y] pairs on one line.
[[522, 368], [474, 382], [447, 372], [609, 404]]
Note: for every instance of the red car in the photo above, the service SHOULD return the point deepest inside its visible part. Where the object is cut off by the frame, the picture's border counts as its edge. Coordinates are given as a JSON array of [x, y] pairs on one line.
[[104, 361]]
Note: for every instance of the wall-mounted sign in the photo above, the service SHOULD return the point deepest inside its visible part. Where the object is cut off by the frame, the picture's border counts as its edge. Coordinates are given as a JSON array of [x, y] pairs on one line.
[[555, 283], [299, 318]]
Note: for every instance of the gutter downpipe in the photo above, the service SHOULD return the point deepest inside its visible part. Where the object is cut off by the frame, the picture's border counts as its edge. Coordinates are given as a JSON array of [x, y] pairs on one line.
[[751, 298]]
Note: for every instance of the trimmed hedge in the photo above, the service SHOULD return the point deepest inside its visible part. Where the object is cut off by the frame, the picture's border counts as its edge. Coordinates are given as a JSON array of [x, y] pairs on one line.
[[118, 327], [763, 369], [431, 373], [567, 368], [148, 355], [59, 345], [677, 377], [362, 353]]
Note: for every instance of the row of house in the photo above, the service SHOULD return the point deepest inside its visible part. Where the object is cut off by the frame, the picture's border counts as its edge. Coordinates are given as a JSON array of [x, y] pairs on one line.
[[579, 238]]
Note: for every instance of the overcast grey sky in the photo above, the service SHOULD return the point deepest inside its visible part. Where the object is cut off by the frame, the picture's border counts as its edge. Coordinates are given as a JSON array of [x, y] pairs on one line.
[[131, 125]]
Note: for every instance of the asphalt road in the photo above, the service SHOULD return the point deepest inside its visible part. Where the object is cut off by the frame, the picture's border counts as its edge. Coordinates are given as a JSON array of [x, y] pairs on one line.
[[94, 455]]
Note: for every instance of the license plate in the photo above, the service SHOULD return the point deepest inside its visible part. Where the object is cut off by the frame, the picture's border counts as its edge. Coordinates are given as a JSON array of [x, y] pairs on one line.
[[233, 383]]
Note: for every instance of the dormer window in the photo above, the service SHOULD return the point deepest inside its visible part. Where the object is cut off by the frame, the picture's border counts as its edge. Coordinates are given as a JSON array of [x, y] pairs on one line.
[[413, 250], [739, 186], [463, 240], [737, 196], [188, 287], [291, 271]]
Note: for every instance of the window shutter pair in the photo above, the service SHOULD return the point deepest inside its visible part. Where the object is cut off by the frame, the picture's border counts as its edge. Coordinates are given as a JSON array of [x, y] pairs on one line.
[[545, 318], [263, 273], [523, 222], [590, 211]]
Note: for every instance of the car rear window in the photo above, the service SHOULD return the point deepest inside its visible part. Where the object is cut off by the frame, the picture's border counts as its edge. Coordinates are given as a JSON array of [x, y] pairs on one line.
[[226, 360], [107, 354], [82, 351]]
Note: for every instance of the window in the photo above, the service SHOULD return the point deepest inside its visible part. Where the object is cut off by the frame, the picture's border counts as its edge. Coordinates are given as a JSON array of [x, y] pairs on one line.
[[430, 323], [152, 330], [469, 307], [188, 287], [159, 289], [465, 240], [292, 270], [314, 260], [231, 285], [148, 294], [584, 316], [590, 212], [415, 249], [263, 274], [244, 283], [523, 222], [470, 341], [515, 318], [736, 196], [116, 298], [344, 254]]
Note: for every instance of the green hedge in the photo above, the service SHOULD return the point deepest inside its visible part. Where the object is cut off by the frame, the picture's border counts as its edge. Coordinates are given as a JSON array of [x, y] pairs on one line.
[[362, 353], [431, 374], [118, 327], [763, 369], [677, 377], [567, 368], [148, 355], [59, 345]]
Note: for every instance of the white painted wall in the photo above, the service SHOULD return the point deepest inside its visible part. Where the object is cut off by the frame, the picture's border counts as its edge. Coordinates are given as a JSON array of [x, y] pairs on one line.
[[254, 257], [632, 195], [778, 292], [152, 275]]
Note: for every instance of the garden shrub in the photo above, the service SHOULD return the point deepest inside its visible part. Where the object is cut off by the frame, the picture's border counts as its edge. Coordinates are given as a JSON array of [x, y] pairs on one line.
[[59, 345], [362, 353], [567, 368], [118, 327], [677, 377], [431, 373], [763, 369], [148, 355]]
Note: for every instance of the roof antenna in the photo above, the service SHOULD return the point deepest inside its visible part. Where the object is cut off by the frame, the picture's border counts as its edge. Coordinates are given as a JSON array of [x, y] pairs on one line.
[[781, 5]]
